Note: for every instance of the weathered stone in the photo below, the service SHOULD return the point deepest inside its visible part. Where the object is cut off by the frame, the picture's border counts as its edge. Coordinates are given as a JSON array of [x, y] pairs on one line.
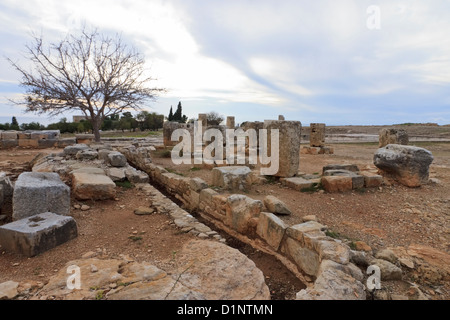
[[47, 143], [337, 183], [86, 155], [73, 150], [220, 272], [38, 192], [389, 271], [271, 229], [387, 254], [65, 142], [197, 184], [142, 211], [371, 180], [275, 205], [407, 164], [92, 186], [168, 128], [45, 135], [281, 117], [136, 176], [8, 290], [349, 269], [392, 136], [9, 135], [334, 284], [317, 135], [332, 250], [231, 178], [288, 146], [309, 218], [310, 228], [349, 167], [362, 246], [231, 123], [84, 138], [307, 260], [360, 258], [10, 143], [7, 185], [117, 159], [37, 234], [357, 180], [28, 143], [116, 174], [297, 183], [240, 210]]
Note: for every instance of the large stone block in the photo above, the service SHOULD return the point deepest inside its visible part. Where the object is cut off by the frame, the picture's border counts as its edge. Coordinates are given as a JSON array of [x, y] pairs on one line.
[[47, 143], [392, 136], [317, 135], [357, 180], [37, 234], [93, 186], [84, 138], [275, 205], [297, 183], [371, 180], [271, 229], [9, 135], [117, 159], [288, 146], [231, 123], [240, 210], [74, 149], [38, 192], [7, 185], [168, 128], [62, 143], [307, 260], [407, 164], [349, 167], [337, 183], [232, 178], [28, 143], [9, 143]]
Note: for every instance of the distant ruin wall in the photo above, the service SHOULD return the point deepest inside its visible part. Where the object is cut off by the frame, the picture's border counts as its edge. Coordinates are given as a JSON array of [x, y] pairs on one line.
[[40, 139]]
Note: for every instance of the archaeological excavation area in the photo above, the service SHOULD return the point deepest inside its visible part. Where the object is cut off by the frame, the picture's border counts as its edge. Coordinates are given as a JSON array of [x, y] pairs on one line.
[[120, 220]]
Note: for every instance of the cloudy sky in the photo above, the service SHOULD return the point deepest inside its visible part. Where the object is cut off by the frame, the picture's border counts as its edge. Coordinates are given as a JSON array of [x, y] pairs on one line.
[[337, 62]]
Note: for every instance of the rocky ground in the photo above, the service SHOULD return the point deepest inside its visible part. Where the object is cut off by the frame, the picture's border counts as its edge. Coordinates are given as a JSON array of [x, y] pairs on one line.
[[413, 223]]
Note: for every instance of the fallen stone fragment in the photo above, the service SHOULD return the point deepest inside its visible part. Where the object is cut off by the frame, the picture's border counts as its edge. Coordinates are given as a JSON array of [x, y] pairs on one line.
[[275, 205]]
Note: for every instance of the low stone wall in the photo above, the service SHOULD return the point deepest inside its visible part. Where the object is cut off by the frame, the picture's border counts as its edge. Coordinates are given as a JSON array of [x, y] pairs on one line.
[[305, 245], [29, 139]]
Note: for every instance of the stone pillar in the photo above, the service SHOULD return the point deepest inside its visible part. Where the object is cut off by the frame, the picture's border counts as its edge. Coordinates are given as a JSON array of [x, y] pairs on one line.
[[168, 128], [288, 145], [231, 123], [393, 136], [281, 118], [317, 135], [202, 118]]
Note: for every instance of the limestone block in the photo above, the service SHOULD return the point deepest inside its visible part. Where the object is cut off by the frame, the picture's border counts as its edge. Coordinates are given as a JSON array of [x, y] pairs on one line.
[[37, 234], [117, 159], [86, 155], [407, 164], [9, 135], [73, 150], [92, 186], [10, 143], [371, 180], [62, 143], [357, 180], [116, 174], [392, 136], [275, 205], [307, 260], [297, 183], [337, 183], [317, 135], [232, 178], [38, 192], [288, 146], [271, 229], [349, 167], [28, 143], [240, 210], [231, 123]]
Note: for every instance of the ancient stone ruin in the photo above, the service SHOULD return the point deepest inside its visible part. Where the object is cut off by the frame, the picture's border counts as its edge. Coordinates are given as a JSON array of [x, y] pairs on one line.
[[317, 141]]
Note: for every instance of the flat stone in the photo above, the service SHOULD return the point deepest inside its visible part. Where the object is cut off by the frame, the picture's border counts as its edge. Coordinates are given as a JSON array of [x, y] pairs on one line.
[[9, 135], [371, 180], [297, 183], [387, 254], [349, 167], [92, 186], [116, 174], [87, 155], [37, 234], [38, 192], [389, 271], [8, 290], [74, 149], [143, 211]]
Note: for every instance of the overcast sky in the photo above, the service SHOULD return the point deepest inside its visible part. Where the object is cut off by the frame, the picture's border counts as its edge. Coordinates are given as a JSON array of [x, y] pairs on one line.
[[315, 61]]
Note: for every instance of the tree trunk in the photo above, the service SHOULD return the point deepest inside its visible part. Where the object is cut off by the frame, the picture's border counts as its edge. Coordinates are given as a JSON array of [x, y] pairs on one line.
[[96, 124]]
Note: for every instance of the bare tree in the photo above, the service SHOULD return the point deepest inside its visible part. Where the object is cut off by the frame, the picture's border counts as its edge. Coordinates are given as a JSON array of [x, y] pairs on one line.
[[96, 74], [214, 118]]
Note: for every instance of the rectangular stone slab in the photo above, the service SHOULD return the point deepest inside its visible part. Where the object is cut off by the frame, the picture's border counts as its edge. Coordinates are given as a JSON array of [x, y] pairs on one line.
[[37, 234]]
